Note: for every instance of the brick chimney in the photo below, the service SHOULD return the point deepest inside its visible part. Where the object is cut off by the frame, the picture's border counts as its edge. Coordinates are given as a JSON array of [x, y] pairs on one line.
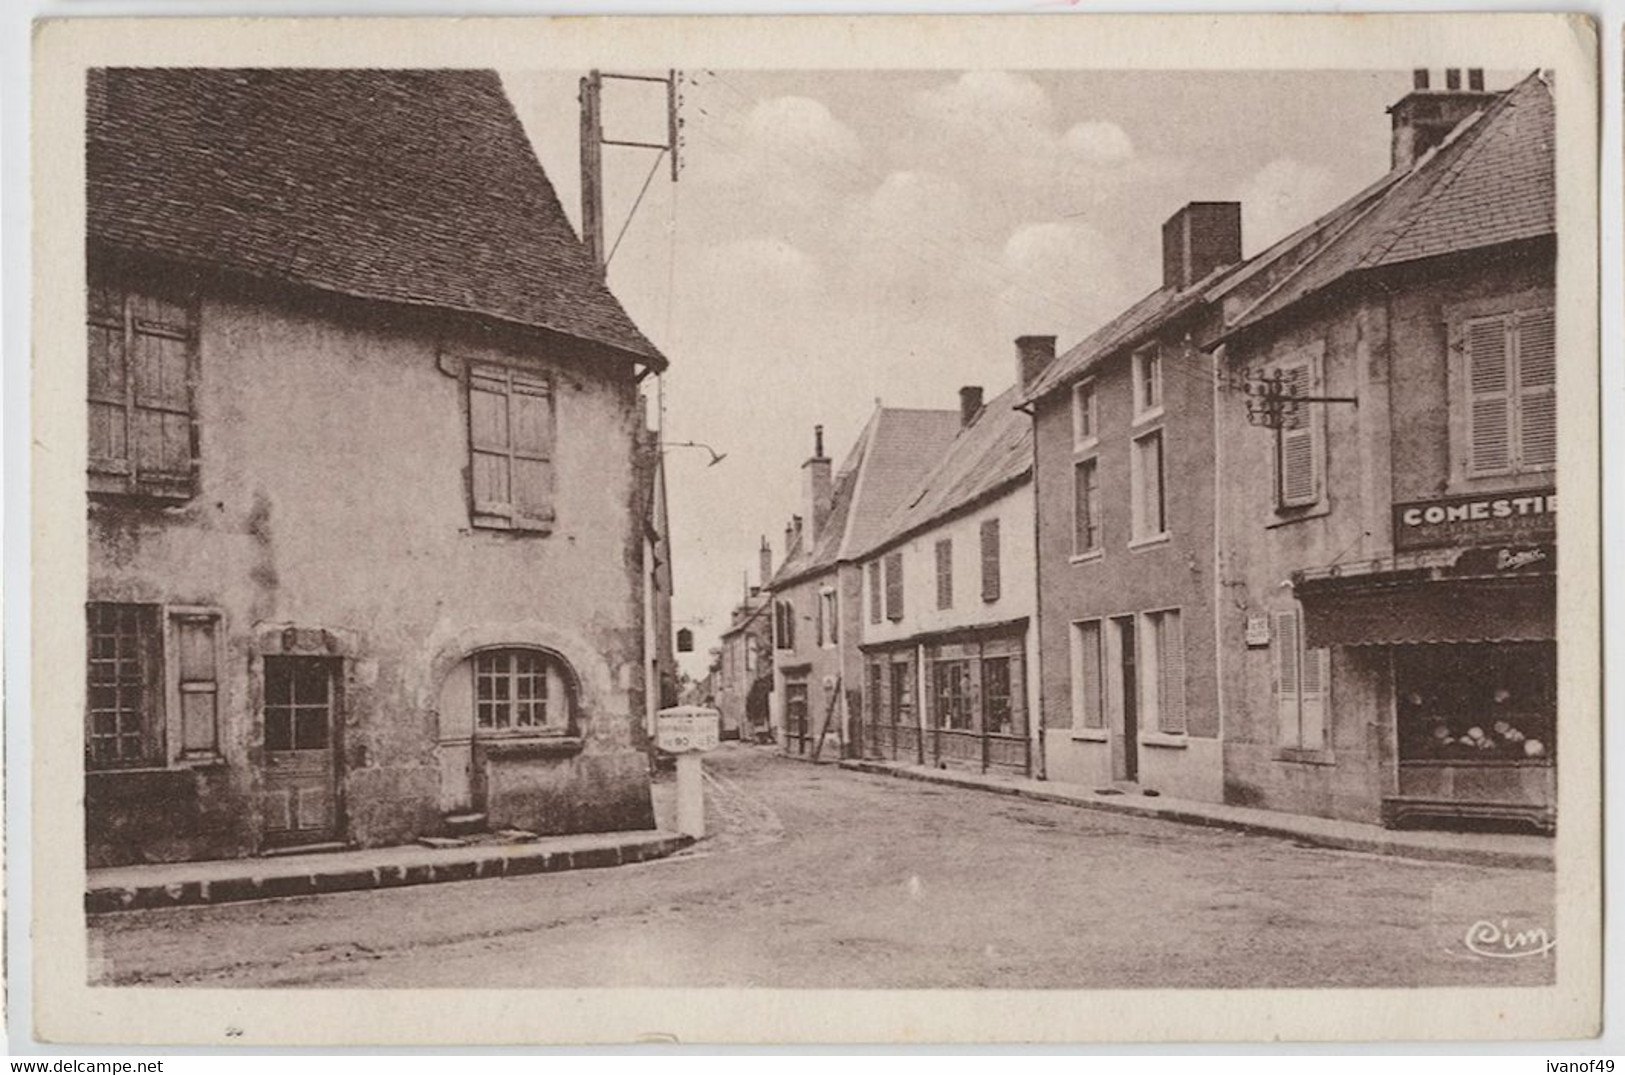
[[1198, 239], [970, 404], [764, 561], [816, 486], [1426, 115], [1033, 356]]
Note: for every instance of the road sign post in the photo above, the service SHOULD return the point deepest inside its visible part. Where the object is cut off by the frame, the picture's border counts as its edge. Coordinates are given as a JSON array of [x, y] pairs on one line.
[[687, 731]]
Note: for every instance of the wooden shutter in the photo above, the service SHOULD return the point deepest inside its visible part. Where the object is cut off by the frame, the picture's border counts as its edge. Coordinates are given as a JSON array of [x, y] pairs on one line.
[[197, 681], [1091, 681], [141, 400], [991, 580], [1171, 672], [1537, 389], [1286, 654], [1489, 396], [875, 594], [1296, 464], [945, 573], [894, 586], [109, 384], [1315, 692], [511, 434]]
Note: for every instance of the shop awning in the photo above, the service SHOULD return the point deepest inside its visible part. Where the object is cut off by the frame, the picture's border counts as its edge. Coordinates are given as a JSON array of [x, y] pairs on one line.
[[1366, 612]]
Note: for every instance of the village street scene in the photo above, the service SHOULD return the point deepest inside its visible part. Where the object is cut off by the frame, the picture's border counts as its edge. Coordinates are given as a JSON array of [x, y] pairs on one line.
[[833, 530]]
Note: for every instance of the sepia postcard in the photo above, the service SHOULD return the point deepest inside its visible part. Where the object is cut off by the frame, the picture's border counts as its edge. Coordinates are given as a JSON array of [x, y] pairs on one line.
[[894, 530]]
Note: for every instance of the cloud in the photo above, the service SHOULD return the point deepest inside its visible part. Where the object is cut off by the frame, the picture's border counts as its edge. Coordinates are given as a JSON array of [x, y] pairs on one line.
[[1099, 142], [800, 128], [1281, 197], [1060, 278]]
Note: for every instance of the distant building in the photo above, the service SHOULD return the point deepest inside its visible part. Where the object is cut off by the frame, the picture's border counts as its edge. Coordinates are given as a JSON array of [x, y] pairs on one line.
[[1388, 601], [817, 591], [366, 514], [948, 640], [744, 673]]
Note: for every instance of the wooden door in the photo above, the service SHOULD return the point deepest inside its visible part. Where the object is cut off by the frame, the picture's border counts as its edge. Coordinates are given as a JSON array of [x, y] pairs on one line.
[[301, 703], [1129, 759]]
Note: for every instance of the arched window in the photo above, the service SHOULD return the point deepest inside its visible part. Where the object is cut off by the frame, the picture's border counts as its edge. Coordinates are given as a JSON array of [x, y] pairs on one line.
[[522, 690]]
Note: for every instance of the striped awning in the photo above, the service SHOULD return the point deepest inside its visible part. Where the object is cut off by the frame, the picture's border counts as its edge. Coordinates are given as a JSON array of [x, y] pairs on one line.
[[1365, 612]]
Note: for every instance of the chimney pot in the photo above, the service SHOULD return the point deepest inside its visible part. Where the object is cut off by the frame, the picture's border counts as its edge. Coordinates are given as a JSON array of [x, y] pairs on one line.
[[1033, 356], [764, 561], [970, 404], [1475, 79], [818, 442], [818, 488], [1199, 238], [1452, 78], [1419, 79], [1425, 117]]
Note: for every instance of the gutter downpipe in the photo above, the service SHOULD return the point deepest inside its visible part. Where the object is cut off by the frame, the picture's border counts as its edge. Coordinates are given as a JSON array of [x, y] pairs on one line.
[[1039, 770], [1219, 355]]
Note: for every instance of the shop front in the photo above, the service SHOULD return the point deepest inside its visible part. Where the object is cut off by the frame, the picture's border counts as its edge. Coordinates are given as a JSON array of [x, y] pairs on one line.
[[1470, 636]]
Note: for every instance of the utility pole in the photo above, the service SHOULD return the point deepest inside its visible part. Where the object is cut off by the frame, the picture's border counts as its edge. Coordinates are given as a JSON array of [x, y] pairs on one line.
[[592, 155]]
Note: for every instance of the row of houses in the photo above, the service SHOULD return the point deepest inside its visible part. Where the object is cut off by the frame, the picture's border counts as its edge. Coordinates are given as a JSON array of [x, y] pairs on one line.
[[1281, 534], [376, 523]]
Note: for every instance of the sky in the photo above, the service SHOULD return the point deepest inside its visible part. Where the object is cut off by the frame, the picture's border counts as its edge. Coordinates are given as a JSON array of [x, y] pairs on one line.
[[840, 238]]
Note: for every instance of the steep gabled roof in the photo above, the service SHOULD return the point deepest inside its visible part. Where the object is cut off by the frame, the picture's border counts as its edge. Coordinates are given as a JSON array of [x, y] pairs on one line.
[[895, 449], [1492, 182], [413, 187], [992, 453]]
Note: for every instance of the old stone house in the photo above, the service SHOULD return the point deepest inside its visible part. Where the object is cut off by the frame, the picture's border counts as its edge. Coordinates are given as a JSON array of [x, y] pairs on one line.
[[817, 591], [366, 532], [948, 640], [1388, 615], [742, 687]]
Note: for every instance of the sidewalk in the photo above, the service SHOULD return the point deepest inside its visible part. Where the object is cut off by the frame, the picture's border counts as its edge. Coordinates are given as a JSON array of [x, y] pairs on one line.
[[123, 888], [1471, 848]]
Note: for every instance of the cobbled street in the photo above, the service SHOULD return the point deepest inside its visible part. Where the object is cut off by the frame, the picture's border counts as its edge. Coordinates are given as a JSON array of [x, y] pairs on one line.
[[818, 877]]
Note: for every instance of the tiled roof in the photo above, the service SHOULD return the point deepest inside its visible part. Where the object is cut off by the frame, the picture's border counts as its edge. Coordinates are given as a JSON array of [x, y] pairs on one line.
[[1128, 326], [994, 451], [894, 451], [414, 187], [1491, 182]]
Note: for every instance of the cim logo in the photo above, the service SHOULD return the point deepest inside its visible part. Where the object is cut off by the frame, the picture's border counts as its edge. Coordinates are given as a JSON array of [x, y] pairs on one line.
[[1498, 940]]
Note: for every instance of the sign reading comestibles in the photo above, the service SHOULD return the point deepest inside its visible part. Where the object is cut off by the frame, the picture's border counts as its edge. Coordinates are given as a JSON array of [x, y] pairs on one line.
[[1476, 520]]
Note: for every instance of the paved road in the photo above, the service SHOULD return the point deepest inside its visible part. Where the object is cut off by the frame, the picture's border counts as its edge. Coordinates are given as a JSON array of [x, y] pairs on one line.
[[817, 877]]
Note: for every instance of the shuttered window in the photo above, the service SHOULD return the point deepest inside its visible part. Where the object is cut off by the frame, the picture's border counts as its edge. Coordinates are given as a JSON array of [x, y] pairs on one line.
[[142, 373], [1511, 379], [1085, 507], [991, 580], [511, 435], [1302, 685], [197, 681], [1297, 457], [894, 586], [1088, 680], [945, 573], [875, 592], [784, 624], [1165, 670]]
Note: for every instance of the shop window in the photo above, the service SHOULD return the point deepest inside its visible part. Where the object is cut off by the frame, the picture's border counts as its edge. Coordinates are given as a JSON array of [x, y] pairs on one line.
[[875, 592], [876, 709], [1085, 507], [1477, 703], [520, 690], [894, 586], [952, 694], [1302, 685], [142, 404], [1162, 672], [992, 576], [510, 439], [1511, 393], [900, 691], [124, 714], [1085, 415], [1088, 679], [1001, 695], [945, 573], [1147, 382], [1150, 504]]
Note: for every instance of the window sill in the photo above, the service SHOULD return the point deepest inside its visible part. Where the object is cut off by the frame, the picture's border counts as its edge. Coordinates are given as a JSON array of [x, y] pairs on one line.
[[1083, 447], [1090, 735], [1305, 757], [540, 527], [201, 761], [1165, 740], [508, 745], [1151, 542], [1288, 516], [1087, 557], [1142, 417]]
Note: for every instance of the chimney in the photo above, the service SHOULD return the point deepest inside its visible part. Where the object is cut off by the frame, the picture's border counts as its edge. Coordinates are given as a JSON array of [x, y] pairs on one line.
[[1424, 117], [1198, 239], [1033, 356], [764, 561], [789, 536], [816, 484], [970, 404]]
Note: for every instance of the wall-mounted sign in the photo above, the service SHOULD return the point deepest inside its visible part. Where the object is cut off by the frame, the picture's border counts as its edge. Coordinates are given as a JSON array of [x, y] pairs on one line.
[[687, 729], [1507, 560], [1258, 630], [1524, 518]]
